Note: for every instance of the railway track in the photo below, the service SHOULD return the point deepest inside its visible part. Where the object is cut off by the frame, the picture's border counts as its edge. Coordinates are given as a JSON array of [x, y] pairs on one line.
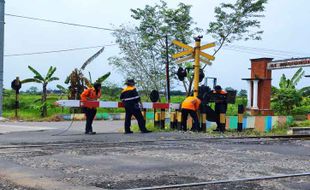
[[144, 142], [200, 184]]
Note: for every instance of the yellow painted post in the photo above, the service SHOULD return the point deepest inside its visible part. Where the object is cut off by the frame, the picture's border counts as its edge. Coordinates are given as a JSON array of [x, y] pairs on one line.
[[173, 120], [162, 118], [179, 119], [144, 114], [157, 119], [197, 65], [204, 122]]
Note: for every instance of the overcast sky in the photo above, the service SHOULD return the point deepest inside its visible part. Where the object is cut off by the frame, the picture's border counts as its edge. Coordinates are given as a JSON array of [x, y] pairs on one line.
[[286, 27]]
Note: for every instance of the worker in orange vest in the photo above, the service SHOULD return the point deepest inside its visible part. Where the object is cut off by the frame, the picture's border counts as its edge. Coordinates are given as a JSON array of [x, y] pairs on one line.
[[90, 94], [190, 106]]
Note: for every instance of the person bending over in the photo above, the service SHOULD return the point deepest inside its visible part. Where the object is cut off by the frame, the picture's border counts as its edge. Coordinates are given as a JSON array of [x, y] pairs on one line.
[[90, 94], [190, 106]]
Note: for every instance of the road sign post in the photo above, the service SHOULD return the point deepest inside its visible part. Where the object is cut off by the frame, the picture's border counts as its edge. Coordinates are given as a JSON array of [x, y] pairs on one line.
[[194, 53], [197, 65]]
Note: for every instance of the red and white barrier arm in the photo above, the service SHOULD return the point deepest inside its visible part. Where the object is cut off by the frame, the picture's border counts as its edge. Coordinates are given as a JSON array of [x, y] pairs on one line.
[[107, 104]]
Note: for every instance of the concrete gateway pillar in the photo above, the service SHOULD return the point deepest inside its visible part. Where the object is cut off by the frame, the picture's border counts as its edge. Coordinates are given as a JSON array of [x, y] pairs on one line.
[[259, 92]]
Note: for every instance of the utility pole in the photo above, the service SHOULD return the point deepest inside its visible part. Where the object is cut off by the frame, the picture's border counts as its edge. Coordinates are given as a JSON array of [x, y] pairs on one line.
[[167, 70], [1, 52]]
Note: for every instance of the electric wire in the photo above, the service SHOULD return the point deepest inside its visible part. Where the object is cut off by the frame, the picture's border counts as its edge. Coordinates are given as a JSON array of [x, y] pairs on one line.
[[61, 22], [239, 48], [56, 51], [255, 53], [268, 50], [66, 129]]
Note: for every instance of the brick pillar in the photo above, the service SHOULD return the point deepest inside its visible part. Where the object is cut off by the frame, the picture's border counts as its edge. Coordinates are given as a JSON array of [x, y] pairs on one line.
[[259, 71]]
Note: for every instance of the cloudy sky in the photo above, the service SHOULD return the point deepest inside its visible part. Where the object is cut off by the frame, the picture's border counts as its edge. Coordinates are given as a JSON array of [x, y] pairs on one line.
[[286, 26]]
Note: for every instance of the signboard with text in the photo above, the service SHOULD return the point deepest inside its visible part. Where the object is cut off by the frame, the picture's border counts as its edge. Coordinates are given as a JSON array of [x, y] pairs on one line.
[[289, 63]]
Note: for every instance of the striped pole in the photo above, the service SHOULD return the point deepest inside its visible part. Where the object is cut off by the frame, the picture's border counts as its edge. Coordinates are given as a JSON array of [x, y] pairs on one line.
[[240, 117], [144, 114], [204, 122], [162, 118], [157, 119], [173, 120], [179, 119], [222, 119]]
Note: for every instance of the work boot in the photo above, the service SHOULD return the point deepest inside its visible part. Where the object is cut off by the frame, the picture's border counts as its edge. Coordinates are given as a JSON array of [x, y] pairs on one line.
[[146, 131], [216, 130], [128, 132], [90, 133]]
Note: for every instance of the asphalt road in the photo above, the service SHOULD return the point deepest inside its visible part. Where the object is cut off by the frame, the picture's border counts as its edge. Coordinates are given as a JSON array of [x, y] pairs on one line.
[[32, 157]]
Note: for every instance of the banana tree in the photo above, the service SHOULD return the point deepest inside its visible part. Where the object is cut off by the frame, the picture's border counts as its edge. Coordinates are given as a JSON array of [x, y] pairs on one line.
[[44, 80], [78, 81], [287, 97]]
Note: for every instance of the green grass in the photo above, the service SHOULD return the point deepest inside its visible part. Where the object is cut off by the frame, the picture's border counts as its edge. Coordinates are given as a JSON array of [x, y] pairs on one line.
[[150, 126], [278, 130], [305, 123]]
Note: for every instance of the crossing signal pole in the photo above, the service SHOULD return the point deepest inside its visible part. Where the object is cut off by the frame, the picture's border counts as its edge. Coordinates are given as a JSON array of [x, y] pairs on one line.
[[197, 64], [194, 53]]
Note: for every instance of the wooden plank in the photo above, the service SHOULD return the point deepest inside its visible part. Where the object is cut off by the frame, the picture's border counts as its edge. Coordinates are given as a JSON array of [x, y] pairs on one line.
[[182, 53], [184, 59], [205, 61], [210, 57], [207, 46], [180, 44]]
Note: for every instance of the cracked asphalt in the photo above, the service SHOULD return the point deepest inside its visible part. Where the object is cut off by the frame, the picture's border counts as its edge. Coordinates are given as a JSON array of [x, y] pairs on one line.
[[32, 158]]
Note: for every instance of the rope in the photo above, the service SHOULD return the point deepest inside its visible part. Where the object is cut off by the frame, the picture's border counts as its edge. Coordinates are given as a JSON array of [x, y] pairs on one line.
[[65, 130]]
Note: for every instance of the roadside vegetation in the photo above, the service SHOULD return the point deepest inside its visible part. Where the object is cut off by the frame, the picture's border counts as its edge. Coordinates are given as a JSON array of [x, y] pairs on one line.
[[150, 42]]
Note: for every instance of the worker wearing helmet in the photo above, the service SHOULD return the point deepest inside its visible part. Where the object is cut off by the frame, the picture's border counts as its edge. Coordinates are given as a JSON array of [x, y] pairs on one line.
[[190, 106], [90, 94], [131, 100], [220, 106]]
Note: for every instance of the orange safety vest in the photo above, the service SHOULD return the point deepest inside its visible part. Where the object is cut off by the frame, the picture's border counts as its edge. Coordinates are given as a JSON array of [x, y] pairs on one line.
[[191, 103], [220, 92], [91, 94]]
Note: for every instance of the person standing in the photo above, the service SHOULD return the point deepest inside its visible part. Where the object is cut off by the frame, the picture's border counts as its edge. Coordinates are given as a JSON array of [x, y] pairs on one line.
[[190, 106], [131, 100], [220, 106], [90, 94]]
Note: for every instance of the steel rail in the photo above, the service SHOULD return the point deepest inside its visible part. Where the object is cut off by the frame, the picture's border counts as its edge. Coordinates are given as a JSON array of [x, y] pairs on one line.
[[203, 139], [223, 181]]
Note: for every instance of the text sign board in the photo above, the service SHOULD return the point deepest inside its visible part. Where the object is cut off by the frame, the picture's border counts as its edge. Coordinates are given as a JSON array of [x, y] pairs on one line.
[[289, 63]]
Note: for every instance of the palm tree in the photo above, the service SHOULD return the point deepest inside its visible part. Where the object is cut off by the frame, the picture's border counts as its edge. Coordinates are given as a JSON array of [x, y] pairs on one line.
[[38, 78]]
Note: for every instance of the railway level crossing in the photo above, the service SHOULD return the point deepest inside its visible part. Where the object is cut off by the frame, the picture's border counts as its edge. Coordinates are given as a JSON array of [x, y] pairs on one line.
[[194, 53]]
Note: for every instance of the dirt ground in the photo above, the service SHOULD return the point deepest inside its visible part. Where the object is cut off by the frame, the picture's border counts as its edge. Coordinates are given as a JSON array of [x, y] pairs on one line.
[[36, 159]]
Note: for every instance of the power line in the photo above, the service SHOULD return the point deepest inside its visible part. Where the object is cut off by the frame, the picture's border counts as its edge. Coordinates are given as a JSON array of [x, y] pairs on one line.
[[253, 52], [61, 22], [273, 51], [56, 51]]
